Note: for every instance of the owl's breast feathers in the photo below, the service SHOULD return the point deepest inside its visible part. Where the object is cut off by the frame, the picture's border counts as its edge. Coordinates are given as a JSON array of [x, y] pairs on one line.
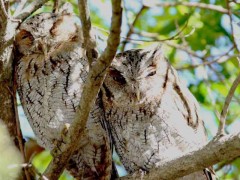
[[51, 71]]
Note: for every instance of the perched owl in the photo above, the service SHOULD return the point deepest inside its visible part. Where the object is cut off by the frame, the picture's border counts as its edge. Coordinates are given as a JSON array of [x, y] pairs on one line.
[[51, 69], [151, 115]]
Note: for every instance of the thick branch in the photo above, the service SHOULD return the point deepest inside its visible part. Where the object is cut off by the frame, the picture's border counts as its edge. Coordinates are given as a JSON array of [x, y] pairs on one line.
[[193, 4], [223, 148], [95, 78], [8, 109]]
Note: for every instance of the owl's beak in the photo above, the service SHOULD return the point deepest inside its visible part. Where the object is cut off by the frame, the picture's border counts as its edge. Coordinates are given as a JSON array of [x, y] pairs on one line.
[[43, 46], [138, 95]]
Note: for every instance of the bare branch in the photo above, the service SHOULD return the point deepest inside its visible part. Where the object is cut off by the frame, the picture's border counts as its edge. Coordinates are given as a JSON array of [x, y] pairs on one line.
[[217, 60], [63, 151], [19, 7], [2, 5], [220, 149], [30, 9], [89, 41], [192, 4], [56, 6], [226, 105], [229, 12], [155, 38], [130, 31]]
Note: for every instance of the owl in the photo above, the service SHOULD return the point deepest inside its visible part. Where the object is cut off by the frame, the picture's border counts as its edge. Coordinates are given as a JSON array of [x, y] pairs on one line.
[[51, 71], [151, 115]]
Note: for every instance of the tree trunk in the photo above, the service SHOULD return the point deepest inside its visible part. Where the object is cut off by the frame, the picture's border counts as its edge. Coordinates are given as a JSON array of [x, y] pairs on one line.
[[7, 94]]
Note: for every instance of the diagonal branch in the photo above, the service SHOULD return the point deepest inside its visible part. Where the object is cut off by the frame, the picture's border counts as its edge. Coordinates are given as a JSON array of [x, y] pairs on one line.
[[96, 75], [226, 105], [30, 9], [220, 149], [130, 31]]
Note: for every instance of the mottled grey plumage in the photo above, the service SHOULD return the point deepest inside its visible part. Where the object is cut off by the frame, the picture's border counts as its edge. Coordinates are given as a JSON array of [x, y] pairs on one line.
[[51, 70], [152, 116]]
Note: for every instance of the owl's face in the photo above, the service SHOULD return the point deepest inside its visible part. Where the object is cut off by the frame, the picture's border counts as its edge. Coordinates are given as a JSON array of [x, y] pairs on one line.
[[135, 77], [46, 33]]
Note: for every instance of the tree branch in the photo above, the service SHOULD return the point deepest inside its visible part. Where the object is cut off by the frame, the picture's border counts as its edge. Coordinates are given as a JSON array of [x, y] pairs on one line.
[[226, 105], [2, 5], [192, 4], [229, 12], [56, 6], [20, 6], [130, 31], [30, 9], [220, 149], [89, 41], [96, 75]]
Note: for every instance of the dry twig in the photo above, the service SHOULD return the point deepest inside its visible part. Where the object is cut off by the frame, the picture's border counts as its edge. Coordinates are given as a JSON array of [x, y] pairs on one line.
[[130, 31], [193, 4], [228, 99]]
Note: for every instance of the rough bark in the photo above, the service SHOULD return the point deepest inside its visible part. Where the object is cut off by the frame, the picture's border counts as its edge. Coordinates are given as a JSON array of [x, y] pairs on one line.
[[217, 150]]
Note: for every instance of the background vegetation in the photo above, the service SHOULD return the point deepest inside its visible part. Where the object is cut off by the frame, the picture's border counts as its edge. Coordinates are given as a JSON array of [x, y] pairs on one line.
[[202, 41]]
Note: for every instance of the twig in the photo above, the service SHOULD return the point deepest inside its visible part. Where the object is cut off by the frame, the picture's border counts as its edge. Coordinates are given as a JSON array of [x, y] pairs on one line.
[[20, 7], [217, 60], [231, 24], [89, 41], [156, 39], [228, 99], [130, 31], [6, 14], [96, 75], [56, 6], [193, 4], [30, 9]]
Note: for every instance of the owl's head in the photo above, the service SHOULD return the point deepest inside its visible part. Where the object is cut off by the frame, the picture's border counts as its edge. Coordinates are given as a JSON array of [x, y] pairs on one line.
[[135, 77], [46, 33]]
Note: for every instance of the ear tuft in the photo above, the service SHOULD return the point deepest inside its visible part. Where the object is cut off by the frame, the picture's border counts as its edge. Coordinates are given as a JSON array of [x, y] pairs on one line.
[[66, 8], [155, 53]]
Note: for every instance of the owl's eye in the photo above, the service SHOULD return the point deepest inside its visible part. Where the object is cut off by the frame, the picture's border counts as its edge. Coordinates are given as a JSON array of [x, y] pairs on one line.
[[117, 76], [151, 73], [119, 79], [25, 36]]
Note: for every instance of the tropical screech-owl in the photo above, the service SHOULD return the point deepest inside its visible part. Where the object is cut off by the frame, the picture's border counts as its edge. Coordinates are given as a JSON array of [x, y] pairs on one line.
[[152, 117], [51, 70]]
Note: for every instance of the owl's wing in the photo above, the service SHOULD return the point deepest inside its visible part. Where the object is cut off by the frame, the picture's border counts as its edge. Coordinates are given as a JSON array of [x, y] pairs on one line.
[[93, 160]]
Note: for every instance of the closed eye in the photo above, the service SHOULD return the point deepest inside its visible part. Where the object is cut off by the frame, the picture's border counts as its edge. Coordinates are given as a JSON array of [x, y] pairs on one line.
[[25, 36], [117, 76], [151, 73]]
